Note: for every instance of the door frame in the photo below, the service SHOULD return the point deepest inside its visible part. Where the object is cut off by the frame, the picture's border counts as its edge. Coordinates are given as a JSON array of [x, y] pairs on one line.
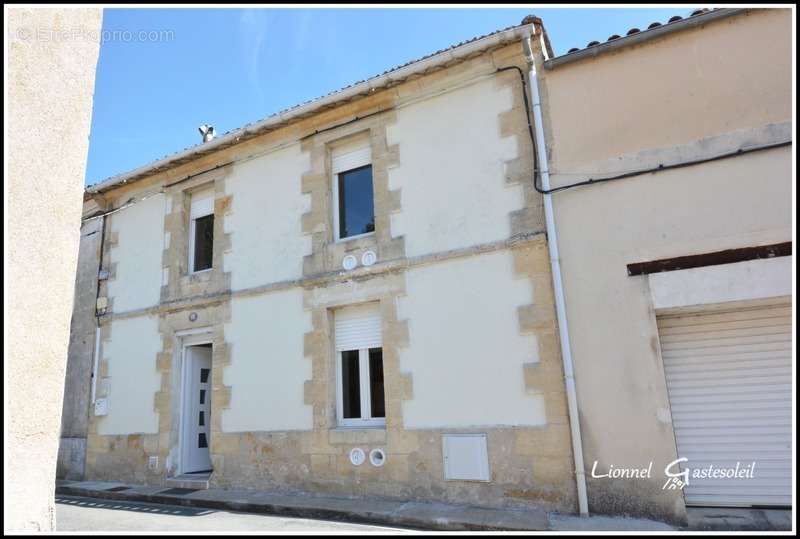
[[187, 339]]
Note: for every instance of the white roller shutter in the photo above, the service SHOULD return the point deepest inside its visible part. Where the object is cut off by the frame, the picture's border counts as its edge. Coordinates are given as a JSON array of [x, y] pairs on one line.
[[202, 203], [358, 327], [353, 155], [729, 376]]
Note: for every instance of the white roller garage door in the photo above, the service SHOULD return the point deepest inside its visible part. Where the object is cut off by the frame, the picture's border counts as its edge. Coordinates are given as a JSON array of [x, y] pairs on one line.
[[729, 376]]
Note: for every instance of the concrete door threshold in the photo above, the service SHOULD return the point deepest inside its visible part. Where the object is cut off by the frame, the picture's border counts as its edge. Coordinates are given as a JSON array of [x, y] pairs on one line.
[[420, 515], [198, 481]]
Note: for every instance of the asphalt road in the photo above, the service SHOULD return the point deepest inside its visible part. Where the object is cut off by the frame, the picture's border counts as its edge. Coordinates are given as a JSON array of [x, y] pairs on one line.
[[90, 514]]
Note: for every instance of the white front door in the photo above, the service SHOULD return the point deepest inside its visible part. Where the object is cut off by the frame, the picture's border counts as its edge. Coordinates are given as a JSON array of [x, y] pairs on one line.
[[196, 409]]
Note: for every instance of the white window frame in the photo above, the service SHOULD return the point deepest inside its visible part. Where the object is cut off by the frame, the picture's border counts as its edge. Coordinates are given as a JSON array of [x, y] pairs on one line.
[[344, 161], [366, 420], [198, 209]]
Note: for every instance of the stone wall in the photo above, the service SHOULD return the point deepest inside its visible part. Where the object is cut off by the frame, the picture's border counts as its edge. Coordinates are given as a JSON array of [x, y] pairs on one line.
[[80, 357]]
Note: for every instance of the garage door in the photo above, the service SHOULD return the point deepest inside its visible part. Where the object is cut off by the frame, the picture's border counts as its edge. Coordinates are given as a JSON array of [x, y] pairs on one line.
[[729, 376]]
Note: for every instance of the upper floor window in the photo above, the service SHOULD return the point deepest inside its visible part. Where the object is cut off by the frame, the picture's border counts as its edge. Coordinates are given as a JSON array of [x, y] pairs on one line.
[[353, 199], [201, 230]]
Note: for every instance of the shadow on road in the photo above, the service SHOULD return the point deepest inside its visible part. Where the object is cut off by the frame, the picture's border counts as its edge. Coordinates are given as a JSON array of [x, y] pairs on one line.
[[137, 507]]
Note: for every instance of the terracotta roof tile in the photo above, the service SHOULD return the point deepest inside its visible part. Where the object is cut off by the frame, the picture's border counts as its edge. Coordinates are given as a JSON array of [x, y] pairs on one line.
[[632, 31]]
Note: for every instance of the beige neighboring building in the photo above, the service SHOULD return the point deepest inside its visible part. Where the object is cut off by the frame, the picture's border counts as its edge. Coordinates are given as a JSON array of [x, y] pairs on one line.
[[689, 357], [352, 297], [50, 82]]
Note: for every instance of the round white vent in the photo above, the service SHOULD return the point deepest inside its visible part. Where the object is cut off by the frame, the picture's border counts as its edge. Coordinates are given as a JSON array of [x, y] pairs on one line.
[[357, 456], [377, 457], [349, 262], [369, 258]]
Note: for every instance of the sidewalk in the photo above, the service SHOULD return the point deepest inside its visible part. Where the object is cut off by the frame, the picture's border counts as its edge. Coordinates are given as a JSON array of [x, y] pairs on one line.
[[415, 515], [420, 515]]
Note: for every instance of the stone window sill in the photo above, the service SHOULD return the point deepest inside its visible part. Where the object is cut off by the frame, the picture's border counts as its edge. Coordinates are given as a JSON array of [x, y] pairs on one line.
[[355, 239], [357, 435], [198, 276]]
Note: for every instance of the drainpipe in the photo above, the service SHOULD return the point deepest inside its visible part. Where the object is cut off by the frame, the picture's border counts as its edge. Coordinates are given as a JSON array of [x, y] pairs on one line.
[[555, 265], [96, 361]]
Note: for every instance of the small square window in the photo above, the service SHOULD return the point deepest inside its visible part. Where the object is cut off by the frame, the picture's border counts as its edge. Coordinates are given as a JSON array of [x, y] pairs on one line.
[[356, 211]]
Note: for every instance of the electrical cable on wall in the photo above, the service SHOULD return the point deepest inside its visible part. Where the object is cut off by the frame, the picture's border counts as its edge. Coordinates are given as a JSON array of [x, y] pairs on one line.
[[662, 167], [628, 174], [128, 204]]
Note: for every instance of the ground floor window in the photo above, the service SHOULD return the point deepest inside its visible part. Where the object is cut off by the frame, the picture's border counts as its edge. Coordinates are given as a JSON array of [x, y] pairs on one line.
[[359, 367], [361, 375]]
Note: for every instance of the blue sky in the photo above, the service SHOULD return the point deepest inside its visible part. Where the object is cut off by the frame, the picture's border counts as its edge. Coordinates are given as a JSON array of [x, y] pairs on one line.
[[228, 67]]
